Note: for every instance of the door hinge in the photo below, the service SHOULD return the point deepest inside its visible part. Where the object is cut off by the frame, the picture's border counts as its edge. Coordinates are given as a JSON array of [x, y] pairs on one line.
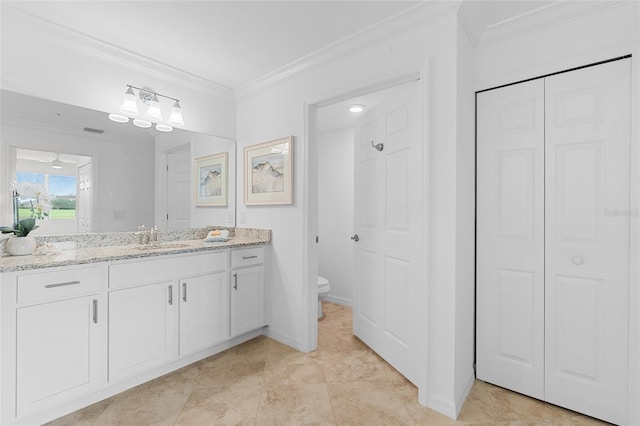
[[167, 216]]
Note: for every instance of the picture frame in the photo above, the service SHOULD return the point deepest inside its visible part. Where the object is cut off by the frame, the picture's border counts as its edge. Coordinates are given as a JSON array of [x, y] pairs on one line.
[[268, 173], [211, 177]]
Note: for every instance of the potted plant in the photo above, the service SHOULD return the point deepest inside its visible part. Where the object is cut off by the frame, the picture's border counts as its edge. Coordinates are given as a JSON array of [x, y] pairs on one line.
[[22, 244]]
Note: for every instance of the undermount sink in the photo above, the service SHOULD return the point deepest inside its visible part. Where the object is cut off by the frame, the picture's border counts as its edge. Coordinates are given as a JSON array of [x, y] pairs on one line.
[[162, 246]]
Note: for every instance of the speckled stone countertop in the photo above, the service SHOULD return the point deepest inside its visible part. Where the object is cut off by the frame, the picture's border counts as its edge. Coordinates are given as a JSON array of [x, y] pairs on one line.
[[80, 249]]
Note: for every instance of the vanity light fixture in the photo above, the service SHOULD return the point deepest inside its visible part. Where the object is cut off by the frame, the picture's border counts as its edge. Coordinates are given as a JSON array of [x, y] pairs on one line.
[[118, 118], [141, 123], [355, 108], [153, 113]]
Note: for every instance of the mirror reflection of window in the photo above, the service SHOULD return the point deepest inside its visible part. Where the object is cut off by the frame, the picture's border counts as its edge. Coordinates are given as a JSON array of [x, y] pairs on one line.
[[48, 186]]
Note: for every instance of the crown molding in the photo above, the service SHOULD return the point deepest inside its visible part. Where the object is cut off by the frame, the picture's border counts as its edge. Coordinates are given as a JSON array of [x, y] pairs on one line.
[[83, 44], [545, 16], [420, 15]]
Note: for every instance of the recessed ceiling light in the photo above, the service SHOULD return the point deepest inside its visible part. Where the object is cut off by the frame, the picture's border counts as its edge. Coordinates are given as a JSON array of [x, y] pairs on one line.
[[357, 108], [118, 118], [163, 127]]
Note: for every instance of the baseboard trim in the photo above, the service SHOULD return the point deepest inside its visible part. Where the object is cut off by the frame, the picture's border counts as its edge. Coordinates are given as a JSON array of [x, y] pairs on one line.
[[465, 393], [442, 405], [339, 300], [285, 340]]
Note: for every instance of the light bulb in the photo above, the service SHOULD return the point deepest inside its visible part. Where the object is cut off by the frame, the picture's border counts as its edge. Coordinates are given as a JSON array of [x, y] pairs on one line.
[[153, 111], [129, 103], [175, 118]]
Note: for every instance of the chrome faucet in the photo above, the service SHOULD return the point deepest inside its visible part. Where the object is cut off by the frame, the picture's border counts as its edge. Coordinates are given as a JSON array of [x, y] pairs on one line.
[[142, 235], [153, 234]]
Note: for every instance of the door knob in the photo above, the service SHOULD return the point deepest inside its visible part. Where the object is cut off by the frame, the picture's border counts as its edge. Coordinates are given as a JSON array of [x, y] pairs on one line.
[[577, 260], [355, 238]]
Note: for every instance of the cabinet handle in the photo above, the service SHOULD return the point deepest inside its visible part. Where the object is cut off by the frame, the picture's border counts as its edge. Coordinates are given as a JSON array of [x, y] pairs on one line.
[[184, 292], [95, 311], [235, 285], [249, 257], [170, 295], [62, 284]]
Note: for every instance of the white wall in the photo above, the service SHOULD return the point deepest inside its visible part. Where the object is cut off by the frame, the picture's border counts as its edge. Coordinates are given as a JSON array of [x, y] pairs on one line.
[[199, 145], [123, 183], [48, 61], [570, 35], [279, 110], [335, 213], [465, 220]]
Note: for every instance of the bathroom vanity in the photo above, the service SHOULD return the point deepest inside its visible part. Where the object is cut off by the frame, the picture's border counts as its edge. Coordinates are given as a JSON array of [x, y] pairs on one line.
[[90, 321]]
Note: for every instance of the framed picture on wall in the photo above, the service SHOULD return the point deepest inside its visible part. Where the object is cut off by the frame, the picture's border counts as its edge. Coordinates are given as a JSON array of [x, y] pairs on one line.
[[268, 173], [210, 180]]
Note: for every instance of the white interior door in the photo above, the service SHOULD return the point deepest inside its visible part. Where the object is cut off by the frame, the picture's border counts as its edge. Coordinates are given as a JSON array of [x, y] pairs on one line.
[[388, 210], [179, 189], [587, 239], [510, 237], [84, 199]]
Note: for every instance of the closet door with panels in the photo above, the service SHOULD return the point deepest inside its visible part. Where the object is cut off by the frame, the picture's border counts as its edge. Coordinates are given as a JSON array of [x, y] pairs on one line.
[[553, 238], [587, 146], [510, 238]]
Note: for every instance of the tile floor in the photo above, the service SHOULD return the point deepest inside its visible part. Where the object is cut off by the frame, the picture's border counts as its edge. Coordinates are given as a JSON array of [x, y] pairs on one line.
[[262, 382]]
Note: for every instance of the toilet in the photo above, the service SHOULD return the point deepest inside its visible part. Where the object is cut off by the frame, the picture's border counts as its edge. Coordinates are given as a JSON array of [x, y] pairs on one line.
[[323, 289]]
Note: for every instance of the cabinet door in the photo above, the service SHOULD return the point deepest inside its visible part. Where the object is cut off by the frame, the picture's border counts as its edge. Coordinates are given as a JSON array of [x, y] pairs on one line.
[[142, 328], [204, 312], [60, 351], [247, 300]]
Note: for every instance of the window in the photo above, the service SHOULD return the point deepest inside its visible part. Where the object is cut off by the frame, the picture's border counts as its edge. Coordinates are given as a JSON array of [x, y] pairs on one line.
[[44, 195]]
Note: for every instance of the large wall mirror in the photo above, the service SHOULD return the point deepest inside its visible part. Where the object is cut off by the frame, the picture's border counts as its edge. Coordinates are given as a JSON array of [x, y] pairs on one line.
[[77, 171]]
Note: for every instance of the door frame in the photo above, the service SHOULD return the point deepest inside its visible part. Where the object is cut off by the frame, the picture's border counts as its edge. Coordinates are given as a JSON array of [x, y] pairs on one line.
[[310, 206]]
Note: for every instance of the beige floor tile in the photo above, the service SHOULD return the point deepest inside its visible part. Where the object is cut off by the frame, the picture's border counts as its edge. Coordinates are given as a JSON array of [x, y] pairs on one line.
[[84, 417], [367, 403], [339, 340], [295, 368], [135, 407], [353, 366], [243, 372], [299, 404], [229, 406]]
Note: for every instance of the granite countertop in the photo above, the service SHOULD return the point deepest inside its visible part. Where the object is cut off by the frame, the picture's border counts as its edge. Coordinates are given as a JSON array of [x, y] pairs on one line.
[[95, 248]]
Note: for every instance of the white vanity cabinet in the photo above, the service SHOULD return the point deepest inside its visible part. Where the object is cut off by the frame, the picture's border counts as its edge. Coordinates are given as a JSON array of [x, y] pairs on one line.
[[204, 312], [60, 335], [156, 303], [142, 328], [247, 290]]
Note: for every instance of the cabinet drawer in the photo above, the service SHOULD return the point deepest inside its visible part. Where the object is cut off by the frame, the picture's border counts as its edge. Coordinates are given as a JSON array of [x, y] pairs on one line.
[[247, 257], [163, 268], [57, 284]]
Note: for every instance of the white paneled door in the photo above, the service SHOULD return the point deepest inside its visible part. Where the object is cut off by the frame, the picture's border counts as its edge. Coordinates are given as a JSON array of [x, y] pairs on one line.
[[389, 197], [587, 218], [179, 189], [510, 234], [553, 238]]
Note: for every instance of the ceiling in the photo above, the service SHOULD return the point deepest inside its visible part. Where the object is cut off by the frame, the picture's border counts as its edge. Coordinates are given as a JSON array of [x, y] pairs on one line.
[[233, 43]]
